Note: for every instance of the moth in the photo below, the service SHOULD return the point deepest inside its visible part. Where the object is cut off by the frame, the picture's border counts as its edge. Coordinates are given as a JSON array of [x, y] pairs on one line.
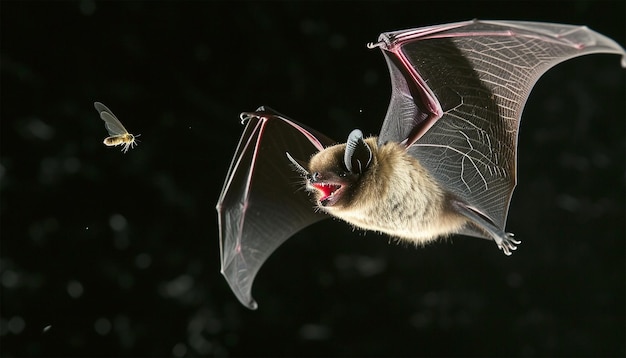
[[444, 162], [118, 135]]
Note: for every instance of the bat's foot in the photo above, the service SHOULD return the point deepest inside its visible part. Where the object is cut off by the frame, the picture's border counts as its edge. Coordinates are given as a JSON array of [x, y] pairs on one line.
[[507, 244], [504, 240]]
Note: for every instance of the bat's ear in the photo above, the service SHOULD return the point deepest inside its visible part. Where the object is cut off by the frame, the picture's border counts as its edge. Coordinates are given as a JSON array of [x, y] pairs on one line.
[[358, 154]]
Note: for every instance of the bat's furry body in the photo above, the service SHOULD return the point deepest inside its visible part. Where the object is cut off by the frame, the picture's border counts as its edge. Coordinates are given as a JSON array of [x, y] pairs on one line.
[[395, 195]]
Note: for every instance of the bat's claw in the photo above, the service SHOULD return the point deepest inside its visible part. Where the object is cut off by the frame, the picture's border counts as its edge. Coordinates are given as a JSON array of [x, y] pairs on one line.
[[372, 45], [508, 244], [245, 116]]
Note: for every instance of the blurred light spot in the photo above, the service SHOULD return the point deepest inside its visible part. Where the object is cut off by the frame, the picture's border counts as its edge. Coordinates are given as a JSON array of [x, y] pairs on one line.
[[49, 171], [179, 350], [577, 162], [231, 339], [534, 317], [369, 266], [38, 230], [10, 279], [203, 53], [325, 279], [38, 129], [16, 325], [124, 331], [74, 289], [20, 71], [213, 325], [370, 77], [601, 160], [195, 267], [118, 222], [204, 321], [196, 324], [528, 351], [87, 7], [364, 265], [568, 202], [125, 280], [4, 327], [420, 320], [309, 27], [47, 328], [71, 165], [337, 41], [514, 279], [143, 261], [431, 299], [343, 262], [178, 286], [314, 332], [51, 224], [102, 326], [121, 241], [200, 344]]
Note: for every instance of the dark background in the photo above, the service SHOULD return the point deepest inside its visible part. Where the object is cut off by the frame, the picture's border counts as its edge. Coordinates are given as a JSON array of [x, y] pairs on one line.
[[105, 253]]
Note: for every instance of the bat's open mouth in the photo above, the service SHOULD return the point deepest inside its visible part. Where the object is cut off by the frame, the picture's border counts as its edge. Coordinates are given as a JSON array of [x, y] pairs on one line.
[[327, 192]]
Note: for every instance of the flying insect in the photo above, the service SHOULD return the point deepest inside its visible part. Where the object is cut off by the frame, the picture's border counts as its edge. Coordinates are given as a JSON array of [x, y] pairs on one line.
[[118, 135]]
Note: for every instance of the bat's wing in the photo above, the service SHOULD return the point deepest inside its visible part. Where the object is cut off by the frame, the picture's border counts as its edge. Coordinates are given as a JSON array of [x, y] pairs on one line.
[[263, 202], [458, 94]]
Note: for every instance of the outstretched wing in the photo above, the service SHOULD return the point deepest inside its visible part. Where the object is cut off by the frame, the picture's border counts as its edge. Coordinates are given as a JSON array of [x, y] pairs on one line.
[[112, 124], [458, 94], [263, 202]]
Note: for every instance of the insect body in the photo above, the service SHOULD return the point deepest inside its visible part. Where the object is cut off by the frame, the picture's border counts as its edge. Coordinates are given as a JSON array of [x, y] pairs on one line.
[[118, 135]]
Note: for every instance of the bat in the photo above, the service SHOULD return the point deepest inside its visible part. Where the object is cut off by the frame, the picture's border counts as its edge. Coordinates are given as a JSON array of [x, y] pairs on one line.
[[118, 135], [444, 162]]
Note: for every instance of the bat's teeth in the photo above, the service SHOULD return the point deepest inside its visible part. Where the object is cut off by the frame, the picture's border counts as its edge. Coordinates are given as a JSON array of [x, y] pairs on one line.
[[327, 189]]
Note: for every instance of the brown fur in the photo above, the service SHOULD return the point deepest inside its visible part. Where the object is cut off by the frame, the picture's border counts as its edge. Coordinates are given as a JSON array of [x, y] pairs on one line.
[[395, 195]]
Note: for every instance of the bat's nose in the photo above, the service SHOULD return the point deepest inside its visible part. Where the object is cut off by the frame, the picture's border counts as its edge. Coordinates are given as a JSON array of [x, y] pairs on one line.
[[315, 177]]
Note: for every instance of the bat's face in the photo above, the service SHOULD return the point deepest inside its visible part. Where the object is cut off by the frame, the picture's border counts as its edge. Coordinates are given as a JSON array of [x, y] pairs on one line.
[[329, 180], [335, 172]]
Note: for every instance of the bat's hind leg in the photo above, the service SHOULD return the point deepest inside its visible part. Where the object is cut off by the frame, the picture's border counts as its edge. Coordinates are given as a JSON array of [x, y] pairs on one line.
[[503, 239]]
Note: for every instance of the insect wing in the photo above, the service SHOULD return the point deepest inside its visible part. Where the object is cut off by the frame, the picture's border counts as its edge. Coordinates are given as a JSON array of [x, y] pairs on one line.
[[111, 123]]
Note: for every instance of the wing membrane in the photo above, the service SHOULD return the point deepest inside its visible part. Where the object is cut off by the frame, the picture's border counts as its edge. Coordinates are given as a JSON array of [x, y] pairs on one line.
[[460, 89], [262, 203], [111, 123]]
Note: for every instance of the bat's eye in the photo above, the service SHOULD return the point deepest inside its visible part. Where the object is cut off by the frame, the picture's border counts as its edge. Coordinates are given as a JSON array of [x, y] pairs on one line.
[[343, 174]]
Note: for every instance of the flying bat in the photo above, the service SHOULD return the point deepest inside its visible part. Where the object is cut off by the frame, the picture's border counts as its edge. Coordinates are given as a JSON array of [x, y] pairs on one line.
[[118, 135], [443, 163]]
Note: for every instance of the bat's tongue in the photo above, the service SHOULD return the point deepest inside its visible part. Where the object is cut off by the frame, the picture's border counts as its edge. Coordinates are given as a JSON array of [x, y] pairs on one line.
[[326, 189]]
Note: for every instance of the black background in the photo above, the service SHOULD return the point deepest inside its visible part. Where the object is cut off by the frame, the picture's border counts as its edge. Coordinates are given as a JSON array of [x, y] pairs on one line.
[[105, 253]]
